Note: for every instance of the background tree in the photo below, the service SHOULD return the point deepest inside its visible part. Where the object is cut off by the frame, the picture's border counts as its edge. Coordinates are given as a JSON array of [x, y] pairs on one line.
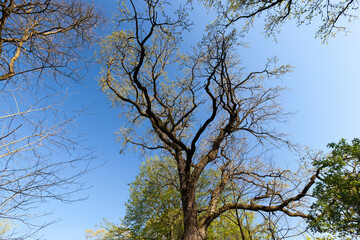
[[5, 227], [202, 109], [43, 36], [331, 14], [154, 209], [40, 50], [96, 235], [336, 209]]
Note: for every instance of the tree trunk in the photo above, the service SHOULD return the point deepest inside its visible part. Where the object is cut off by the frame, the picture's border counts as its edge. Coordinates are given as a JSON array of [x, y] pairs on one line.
[[191, 231]]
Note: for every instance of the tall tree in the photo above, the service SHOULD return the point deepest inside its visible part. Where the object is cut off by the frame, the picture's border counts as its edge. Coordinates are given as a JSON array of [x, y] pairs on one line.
[[40, 49], [202, 109]]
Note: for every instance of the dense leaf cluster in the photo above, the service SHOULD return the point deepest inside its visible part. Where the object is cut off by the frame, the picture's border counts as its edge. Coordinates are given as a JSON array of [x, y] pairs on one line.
[[337, 208]]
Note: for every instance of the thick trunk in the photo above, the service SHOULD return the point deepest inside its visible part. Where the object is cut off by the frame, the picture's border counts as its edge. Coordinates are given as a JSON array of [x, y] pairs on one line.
[[191, 230]]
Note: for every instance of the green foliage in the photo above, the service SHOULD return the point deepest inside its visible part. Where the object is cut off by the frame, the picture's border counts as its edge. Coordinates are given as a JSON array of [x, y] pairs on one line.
[[238, 225], [320, 238], [153, 210], [5, 227], [108, 231], [154, 207], [337, 209]]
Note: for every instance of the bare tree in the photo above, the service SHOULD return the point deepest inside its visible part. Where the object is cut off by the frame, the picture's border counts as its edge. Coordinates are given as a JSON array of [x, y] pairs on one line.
[[36, 153], [44, 36], [275, 12], [203, 109], [40, 48]]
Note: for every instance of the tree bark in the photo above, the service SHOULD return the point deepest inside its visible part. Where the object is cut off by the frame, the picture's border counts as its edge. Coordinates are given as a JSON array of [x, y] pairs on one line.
[[203, 232], [191, 230]]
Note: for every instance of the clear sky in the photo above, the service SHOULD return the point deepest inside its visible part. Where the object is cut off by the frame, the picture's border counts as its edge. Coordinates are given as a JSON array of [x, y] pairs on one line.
[[324, 91]]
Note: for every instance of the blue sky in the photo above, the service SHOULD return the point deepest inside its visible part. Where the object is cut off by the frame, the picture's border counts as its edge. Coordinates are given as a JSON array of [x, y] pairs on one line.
[[324, 91]]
